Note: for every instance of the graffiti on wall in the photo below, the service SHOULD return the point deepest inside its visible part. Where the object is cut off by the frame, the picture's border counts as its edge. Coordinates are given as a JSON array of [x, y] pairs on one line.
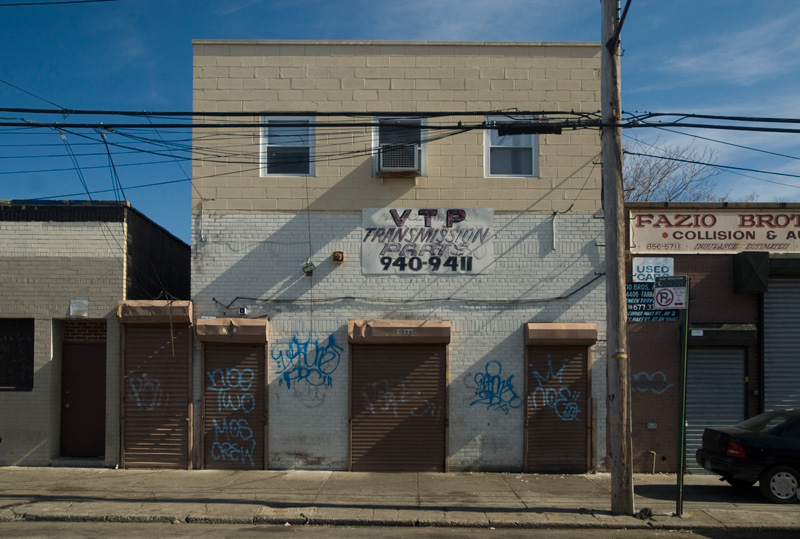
[[147, 392], [392, 396], [562, 400], [232, 387], [233, 441], [493, 391], [233, 436], [306, 367], [654, 381]]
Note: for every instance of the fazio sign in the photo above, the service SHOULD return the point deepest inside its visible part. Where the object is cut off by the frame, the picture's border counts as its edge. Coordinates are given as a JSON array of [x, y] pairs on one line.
[[427, 241], [721, 231]]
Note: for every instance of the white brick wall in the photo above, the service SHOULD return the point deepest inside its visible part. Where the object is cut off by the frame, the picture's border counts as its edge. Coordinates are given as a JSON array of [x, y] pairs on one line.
[[544, 273]]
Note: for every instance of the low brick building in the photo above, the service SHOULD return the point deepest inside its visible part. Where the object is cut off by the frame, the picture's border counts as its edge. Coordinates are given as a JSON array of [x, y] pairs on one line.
[[64, 266], [742, 261]]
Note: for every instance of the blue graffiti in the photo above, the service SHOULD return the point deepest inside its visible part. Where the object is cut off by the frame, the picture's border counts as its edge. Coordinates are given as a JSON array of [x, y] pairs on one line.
[[231, 438], [495, 392], [309, 362], [233, 389], [561, 400], [655, 382]]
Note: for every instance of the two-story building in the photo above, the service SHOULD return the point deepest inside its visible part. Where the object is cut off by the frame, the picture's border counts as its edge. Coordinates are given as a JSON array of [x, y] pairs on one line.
[[381, 278]]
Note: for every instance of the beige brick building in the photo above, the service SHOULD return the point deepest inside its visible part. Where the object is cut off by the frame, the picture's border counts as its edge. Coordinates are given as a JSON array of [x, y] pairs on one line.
[[63, 269], [380, 165]]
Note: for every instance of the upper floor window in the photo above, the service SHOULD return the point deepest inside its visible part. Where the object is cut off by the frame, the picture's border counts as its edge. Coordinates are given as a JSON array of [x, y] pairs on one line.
[[16, 354], [400, 147], [287, 147], [511, 155]]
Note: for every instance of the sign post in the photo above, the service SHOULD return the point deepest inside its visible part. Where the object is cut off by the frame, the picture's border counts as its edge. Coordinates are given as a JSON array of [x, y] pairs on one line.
[[672, 293]]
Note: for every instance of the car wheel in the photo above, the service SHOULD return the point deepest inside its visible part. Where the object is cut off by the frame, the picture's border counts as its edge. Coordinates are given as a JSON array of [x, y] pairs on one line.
[[739, 483], [779, 484]]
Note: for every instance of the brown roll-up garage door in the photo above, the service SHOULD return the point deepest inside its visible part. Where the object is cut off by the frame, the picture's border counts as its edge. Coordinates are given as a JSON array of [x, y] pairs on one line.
[[157, 396], [398, 407], [235, 411], [557, 410]]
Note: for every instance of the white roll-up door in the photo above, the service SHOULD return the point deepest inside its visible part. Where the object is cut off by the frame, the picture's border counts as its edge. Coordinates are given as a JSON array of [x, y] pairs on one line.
[[715, 394], [782, 344]]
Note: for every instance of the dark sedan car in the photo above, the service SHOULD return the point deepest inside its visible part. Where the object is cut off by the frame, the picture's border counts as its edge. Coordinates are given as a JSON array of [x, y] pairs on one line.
[[765, 448]]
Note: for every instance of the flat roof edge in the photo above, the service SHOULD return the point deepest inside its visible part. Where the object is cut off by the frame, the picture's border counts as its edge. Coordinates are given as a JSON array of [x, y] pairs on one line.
[[404, 43]]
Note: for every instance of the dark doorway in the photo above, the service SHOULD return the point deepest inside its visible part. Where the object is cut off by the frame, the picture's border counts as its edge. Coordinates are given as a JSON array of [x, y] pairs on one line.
[[83, 399]]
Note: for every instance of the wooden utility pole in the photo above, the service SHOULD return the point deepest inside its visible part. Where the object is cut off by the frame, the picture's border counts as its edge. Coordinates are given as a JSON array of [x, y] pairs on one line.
[[618, 367]]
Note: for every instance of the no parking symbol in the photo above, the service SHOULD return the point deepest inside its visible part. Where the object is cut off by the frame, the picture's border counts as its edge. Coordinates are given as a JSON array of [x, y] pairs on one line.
[[670, 292]]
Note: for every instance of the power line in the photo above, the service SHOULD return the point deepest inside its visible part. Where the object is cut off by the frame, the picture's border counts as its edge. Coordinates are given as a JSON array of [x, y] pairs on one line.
[[757, 119], [639, 124], [714, 165], [55, 3], [27, 92], [730, 144]]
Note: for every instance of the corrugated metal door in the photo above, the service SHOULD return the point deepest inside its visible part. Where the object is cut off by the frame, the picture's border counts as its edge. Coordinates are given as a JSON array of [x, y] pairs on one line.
[[398, 408], [557, 413], [235, 413], [715, 395], [157, 397], [781, 345]]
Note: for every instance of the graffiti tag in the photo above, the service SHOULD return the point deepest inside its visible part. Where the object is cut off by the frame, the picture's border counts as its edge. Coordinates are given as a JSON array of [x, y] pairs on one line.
[[147, 392], [562, 400], [307, 365], [655, 382], [231, 440], [385, 396], [494, 391], [233, 389]]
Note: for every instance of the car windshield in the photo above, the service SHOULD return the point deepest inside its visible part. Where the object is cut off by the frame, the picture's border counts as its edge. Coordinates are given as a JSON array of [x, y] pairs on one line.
[[764, 422]]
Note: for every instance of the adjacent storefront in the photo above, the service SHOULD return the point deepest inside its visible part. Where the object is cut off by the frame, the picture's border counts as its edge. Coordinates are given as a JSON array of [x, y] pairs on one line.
[[743, 265]]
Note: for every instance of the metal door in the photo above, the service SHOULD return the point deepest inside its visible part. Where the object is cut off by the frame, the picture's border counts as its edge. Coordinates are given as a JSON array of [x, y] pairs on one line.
[[781, 345], [157, 396], [557, 410], [715, 395], [83, 399], [235, 410], [398, 407]]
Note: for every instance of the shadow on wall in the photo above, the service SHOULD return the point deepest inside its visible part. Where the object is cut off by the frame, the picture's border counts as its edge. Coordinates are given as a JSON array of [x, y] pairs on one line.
[[267, 267], [271, 266]]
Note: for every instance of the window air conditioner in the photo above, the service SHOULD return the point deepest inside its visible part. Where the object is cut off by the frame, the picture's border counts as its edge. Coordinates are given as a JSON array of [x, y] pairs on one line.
[[397, 157]]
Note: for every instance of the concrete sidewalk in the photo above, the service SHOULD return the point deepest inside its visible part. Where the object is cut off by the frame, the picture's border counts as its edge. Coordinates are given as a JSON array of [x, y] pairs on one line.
[[401, 499]]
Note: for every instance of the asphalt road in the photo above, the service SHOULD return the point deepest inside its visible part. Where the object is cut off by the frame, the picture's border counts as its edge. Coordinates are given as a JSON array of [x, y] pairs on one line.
[[69, 530]]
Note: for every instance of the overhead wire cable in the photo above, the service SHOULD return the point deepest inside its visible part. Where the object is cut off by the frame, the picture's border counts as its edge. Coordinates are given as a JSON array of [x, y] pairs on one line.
[[55, 3], [726, 167], [76, 165], [730, 144], [115, 181], [23, 90]]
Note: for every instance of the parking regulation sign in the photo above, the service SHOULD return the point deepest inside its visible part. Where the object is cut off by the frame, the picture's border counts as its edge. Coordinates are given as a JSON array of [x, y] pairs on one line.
[[670, 292]]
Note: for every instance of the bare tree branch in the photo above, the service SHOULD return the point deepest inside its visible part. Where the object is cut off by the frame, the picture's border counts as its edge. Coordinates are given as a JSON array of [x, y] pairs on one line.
[[662, 180]]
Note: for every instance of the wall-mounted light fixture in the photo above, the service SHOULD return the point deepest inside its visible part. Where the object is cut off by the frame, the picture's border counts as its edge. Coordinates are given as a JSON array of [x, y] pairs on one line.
[[308, 268], [338, 257]]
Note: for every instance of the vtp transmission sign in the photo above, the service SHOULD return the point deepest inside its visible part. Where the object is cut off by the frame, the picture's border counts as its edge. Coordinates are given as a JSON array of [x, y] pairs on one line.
[[670, 292]]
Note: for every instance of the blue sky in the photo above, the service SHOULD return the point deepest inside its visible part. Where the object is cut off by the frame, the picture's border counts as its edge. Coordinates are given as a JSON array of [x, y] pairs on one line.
[[726, 57]]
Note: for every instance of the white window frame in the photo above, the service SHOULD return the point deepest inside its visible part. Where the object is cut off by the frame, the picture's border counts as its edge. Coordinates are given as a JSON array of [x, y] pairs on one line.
[[264, 163], [488, 146], [376, 166]]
